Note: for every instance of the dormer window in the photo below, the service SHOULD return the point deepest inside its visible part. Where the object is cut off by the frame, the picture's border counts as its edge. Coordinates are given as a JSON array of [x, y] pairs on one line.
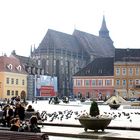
[[19, 68], [10, 66]]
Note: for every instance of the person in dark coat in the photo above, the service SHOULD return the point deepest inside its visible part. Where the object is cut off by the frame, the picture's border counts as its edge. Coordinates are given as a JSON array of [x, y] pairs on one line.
[[19, 111], [15, 124], [30, 109], [32, 126], [8, 115]]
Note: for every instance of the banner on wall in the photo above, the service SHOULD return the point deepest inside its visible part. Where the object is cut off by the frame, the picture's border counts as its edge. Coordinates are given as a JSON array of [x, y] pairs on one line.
[[46, 86]]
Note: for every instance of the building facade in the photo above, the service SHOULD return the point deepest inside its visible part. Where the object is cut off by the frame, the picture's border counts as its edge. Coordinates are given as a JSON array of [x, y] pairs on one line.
[[127, 72], [63, 55], [13, 78], [96, 80]]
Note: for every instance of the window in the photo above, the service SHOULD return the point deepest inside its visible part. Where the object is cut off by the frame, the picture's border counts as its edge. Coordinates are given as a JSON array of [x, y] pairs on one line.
[[124, 82], [7, 80], [117, 82], [78, 82], [100, 83], [87, 82], [8, 92], [61, 62], [12, 81], [19, 68], [10, 66], [137, 82], [137, 71], [23, 82], [123, 71], [16, 81], [117, 71], [130, 82], [12, 93], [107, 82], [130, 71], [93, 82], [16, 93]]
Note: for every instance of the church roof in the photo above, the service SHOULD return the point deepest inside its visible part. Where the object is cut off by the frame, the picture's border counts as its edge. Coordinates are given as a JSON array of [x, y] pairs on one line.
[[100, 47], [98, 67], [58, 40]]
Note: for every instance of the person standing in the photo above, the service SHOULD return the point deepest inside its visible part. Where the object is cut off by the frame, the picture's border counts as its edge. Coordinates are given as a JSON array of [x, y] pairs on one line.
[[8, 114]]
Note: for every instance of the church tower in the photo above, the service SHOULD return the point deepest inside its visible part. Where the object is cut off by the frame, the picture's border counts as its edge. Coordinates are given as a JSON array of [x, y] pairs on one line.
[[104, 32]]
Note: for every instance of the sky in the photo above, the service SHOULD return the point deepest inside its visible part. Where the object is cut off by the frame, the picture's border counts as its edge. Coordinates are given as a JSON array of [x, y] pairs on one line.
[[24, 23]]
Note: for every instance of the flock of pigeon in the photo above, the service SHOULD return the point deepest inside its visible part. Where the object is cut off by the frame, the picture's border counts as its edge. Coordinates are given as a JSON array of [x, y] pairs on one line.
[[69, 114]]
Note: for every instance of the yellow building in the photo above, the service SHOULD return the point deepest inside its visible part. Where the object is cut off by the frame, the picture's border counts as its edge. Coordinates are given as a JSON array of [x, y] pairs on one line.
[[127, 72], [13, 78]]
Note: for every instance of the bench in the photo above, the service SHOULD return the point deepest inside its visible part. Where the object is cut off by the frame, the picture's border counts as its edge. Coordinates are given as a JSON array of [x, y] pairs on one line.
[[12, 135]]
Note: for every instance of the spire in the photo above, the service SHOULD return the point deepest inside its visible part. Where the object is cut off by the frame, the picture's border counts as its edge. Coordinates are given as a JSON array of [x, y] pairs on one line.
[[104, 33]]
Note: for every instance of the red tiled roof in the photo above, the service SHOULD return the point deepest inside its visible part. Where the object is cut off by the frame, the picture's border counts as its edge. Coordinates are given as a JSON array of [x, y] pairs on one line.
[[5, 62]]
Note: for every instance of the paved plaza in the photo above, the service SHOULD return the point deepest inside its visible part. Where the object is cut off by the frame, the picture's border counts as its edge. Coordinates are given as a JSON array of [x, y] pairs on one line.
[[76, 132]]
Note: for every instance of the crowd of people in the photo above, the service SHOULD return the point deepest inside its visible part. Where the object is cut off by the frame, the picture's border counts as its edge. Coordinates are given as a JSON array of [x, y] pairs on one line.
[[13, 116]]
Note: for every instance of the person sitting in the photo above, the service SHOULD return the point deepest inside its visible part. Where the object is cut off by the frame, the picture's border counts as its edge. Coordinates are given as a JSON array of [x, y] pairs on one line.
[[15, 124], [32, 126], [30, 109]]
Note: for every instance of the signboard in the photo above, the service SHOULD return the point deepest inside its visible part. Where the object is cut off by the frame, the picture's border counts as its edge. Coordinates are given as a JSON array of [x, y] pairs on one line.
[[46, 86]]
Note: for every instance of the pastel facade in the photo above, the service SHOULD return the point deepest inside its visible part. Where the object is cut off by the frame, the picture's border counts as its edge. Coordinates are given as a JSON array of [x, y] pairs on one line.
[[13, 78], [127, 72], [96, 80]]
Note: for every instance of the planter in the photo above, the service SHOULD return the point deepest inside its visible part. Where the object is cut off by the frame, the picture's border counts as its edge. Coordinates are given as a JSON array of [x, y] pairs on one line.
[[114, 106], [95, 123]]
